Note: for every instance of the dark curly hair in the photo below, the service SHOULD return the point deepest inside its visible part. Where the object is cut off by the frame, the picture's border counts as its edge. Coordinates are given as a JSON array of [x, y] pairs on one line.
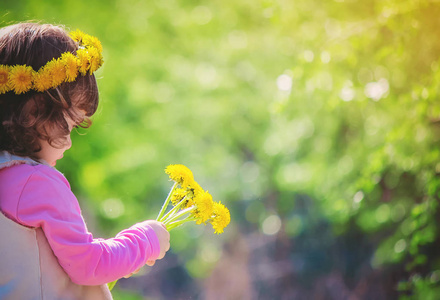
[[28, 118]]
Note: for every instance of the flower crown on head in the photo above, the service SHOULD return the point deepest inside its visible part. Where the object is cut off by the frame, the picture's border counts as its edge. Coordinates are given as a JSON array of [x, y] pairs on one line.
[[22, 78]]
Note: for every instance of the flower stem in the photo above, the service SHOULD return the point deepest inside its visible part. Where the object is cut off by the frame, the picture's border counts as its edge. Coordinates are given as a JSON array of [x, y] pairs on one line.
[[172, 226], [167, 200], [111, 284], [178, 223], [178, 215], [173, 210]]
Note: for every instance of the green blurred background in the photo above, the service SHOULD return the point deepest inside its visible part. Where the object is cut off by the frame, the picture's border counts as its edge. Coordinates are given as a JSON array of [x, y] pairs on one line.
[[315, 122]]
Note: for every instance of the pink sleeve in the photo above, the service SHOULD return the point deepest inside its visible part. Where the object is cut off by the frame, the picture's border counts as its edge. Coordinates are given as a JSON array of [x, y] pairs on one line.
[[47, 201]]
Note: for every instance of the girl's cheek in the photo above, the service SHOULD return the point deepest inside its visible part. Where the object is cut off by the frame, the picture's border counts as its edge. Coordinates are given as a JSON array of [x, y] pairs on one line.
[[69, 142]]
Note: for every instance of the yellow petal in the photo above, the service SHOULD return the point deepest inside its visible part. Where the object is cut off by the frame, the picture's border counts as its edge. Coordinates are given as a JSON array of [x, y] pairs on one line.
[[43, 80], [77, 35], [221, 217], [71, 65], [58, 72], [4, 79], [180, 174], [83, 61], [20, 78]]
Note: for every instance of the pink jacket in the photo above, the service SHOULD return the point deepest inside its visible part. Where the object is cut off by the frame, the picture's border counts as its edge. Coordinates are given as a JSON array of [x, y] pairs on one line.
[[38, 196]]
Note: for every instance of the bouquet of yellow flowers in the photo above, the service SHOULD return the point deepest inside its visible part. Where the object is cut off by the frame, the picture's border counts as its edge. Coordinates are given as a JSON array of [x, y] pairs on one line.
[[190, 203]]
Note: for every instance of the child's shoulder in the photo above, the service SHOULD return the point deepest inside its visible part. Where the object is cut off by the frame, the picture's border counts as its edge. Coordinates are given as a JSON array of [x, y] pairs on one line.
[[34, 172]]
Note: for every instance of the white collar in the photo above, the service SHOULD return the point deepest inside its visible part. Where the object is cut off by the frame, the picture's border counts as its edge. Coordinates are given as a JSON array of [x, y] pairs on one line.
[[7, 160]]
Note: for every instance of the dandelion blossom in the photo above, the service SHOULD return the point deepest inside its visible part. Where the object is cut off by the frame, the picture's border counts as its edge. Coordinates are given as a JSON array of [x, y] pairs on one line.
[[4, 75], [92, 41], [95, 59], [58, 72], [43, 80], [83, 61], [221, 217], [205, 207], [195, 189], [20, 78], [178, 196], [180, 174], [71, 66], [77, 35]]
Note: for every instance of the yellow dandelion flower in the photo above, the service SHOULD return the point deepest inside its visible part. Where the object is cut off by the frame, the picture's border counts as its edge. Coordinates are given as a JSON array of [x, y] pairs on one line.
[[180, 174], [221, 217], [4, 76], [71, 65], [77, 35], [20, 78], [92, 41], [194, 189], [83, 60], [95, 59], [58, 72], [178, 195], [43, 80], [205, 207], [189, 202]]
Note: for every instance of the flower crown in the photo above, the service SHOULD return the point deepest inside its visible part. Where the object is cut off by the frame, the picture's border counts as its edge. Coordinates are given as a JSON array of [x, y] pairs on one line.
[[22, 78]]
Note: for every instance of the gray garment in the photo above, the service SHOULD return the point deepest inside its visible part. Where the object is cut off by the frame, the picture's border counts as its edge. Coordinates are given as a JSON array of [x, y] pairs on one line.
[[28, 267]]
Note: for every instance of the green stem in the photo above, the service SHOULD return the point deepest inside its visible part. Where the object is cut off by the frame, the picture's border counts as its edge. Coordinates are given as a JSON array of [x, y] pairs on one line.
[[187, 219], [167, 200], [170, 227], [111, 284], [178, 223], [173, 210], [177, 216]]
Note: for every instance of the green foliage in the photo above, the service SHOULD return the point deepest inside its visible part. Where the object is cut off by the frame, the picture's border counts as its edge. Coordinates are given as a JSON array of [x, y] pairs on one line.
[[267, 101]]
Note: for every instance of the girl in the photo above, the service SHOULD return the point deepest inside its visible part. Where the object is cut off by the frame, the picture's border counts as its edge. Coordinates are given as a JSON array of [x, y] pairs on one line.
[[47, 87]]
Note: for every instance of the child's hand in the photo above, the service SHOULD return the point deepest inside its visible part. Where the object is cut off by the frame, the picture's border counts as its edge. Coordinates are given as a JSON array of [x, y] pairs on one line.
[[164, 239]]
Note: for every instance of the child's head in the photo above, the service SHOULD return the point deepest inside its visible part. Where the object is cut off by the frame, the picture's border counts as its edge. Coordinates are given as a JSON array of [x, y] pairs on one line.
[[32, 118]]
